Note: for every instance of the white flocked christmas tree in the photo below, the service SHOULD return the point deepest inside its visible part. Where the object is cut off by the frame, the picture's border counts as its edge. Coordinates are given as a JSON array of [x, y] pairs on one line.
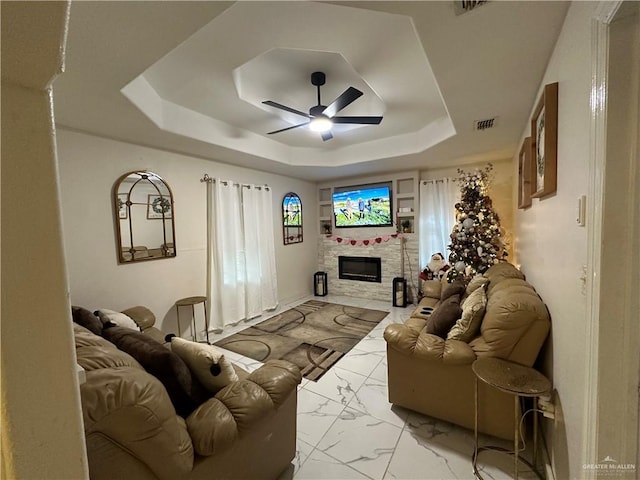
[[476, 240]]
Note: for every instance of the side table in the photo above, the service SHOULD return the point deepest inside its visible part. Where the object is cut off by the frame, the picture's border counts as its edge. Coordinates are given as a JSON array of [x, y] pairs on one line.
[[519, 381], [192, 302]]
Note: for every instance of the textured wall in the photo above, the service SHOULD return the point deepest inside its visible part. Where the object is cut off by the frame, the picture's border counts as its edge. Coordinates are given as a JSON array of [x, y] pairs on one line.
[[396, 255]]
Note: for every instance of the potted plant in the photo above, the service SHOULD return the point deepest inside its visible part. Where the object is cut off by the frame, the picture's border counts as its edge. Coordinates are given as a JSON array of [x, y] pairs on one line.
[[406, 226]]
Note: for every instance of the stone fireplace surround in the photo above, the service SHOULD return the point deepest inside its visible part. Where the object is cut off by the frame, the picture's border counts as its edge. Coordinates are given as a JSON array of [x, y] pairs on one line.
[[394, 264]]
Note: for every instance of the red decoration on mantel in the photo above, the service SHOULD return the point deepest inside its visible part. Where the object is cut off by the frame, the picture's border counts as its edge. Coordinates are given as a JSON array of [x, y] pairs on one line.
[[361, 242]]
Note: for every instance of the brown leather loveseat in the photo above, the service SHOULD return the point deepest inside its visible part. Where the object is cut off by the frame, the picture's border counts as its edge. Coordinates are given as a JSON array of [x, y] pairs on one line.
[[245, 431], [433, 376]]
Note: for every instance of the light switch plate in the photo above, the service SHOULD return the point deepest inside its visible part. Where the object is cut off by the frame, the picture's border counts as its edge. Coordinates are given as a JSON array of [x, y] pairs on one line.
[[582, 210]]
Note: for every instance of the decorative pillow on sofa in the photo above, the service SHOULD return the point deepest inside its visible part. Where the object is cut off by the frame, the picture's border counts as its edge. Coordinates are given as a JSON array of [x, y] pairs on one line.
[[444, 317], [206, 362], [116, 318], [184, 389], [454, 288], [476, 282], [473, 309], [432, 288], [86, 319]]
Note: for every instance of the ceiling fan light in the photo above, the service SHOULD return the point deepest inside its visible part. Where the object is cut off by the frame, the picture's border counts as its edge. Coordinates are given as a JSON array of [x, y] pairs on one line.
[[320, 124]]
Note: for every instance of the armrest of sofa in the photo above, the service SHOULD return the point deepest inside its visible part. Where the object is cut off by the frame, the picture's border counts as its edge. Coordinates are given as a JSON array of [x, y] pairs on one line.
[[216, 424], [427, 347], [128, 411]]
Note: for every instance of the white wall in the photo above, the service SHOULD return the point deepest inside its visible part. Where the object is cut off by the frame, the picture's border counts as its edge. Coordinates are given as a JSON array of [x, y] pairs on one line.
[[552, 249], [42, 435], [90, 165]]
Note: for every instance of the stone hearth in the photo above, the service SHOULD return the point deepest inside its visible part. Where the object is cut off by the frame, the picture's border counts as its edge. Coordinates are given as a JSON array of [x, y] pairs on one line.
[[394, 264]]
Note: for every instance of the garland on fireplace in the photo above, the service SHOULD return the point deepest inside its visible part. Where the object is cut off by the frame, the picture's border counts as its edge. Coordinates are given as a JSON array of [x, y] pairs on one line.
[[364, 242]]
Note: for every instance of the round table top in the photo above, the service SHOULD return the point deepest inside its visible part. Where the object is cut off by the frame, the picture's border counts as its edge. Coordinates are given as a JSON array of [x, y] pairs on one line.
[[190, 301], [511, 377]]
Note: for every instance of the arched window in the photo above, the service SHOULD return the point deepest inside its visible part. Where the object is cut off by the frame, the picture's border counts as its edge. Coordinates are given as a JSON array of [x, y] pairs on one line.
[[291, 219]]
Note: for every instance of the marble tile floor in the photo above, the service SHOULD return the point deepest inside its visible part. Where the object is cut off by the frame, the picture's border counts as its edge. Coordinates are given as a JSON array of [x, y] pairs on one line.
[[347, 429]]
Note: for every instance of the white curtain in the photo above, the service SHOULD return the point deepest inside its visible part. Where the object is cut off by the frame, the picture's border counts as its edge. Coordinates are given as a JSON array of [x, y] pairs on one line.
[[241, 274], [437, 216]]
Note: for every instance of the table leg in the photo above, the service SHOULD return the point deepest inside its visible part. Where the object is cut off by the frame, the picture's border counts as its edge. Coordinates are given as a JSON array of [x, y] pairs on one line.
[[475, 431], [178, 315], [535, 433], [193, 323], [206, 321], [515, 436]]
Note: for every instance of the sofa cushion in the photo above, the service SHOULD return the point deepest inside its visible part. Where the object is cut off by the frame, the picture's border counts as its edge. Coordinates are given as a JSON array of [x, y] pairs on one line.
[[86, 319], [432, 288], [184, 389], [468, 326], [206, 362], [454, 288], [116, 318], [444, 317]]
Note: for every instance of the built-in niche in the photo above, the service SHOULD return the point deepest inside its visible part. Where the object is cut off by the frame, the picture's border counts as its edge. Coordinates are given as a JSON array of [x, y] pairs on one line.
[[143, 212], [291, 219]]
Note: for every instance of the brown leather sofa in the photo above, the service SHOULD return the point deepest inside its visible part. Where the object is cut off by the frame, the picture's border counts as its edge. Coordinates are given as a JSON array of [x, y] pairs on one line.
[[433, 376], [246, 431]]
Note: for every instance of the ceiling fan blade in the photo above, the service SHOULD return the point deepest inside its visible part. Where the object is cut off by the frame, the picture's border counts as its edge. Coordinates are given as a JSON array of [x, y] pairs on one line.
[[358, 120], [348, 96], [284, 107], [326, 136], [288, 128]]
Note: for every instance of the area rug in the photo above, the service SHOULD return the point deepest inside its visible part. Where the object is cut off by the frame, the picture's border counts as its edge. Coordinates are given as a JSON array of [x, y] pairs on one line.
[[313, 335]]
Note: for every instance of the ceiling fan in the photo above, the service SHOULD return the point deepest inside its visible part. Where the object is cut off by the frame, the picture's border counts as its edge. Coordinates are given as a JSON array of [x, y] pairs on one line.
[[320, 117]]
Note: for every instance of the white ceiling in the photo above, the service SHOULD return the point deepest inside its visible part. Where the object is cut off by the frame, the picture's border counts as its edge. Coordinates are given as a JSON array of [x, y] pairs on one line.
[[190, 77]]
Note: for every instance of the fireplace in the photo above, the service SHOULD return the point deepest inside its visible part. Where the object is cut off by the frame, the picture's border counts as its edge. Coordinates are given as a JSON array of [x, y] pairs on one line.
[[363, 269]]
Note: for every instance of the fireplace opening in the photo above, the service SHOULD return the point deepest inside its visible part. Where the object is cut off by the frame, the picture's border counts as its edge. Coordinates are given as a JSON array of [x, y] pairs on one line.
[[364, 269]]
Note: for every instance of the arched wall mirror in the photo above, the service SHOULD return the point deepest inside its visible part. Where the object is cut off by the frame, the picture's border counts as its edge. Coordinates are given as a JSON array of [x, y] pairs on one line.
[[144, 217], [291, 219]]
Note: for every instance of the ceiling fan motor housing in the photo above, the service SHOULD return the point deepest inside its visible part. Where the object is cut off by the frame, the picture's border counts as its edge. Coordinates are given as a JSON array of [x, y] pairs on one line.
[[318, 78], [317, 110]]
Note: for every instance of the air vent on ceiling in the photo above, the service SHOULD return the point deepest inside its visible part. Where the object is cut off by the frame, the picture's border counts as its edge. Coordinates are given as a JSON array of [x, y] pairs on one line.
[[462, 6], [485, 124]]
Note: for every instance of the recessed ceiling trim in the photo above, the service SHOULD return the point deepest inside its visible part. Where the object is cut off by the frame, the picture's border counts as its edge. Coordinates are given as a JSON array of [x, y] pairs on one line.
[[183, 121]]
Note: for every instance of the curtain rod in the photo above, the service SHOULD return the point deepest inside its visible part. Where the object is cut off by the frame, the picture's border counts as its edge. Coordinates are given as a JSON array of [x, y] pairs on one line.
[[207, 179], [424, 182]]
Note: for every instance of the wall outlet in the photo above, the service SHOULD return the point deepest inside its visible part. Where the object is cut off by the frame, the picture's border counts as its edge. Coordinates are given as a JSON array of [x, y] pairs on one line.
[[546, 406]]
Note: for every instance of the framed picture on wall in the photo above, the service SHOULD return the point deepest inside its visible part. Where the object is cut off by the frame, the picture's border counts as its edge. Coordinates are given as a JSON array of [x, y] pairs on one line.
[[158, 207], [544, 137], [526, 173]]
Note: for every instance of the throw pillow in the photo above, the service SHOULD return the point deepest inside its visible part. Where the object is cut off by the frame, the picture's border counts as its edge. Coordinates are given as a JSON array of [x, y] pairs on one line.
[[86, 319], [476, 282], [454, 288], [205, 361], [444, 317], [467, 327], [184, 389], [116, 318]]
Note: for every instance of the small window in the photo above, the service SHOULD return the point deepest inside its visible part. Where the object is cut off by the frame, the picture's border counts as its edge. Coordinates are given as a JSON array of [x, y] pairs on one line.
[[291, 219]]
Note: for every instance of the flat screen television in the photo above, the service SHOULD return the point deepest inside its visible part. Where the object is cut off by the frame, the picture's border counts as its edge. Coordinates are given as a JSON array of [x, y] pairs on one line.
[[363, 206]]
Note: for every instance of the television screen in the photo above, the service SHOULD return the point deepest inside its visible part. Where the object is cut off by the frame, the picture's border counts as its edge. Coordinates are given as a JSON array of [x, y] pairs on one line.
[[363, 206]]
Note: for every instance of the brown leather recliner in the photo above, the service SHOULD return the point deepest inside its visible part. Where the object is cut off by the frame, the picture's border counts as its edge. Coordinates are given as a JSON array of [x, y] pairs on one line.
[[246, 431], [434, 376]]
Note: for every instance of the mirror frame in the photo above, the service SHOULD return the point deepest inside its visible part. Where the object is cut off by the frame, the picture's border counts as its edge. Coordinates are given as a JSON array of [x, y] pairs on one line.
[[151, 178], [291, 225]]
